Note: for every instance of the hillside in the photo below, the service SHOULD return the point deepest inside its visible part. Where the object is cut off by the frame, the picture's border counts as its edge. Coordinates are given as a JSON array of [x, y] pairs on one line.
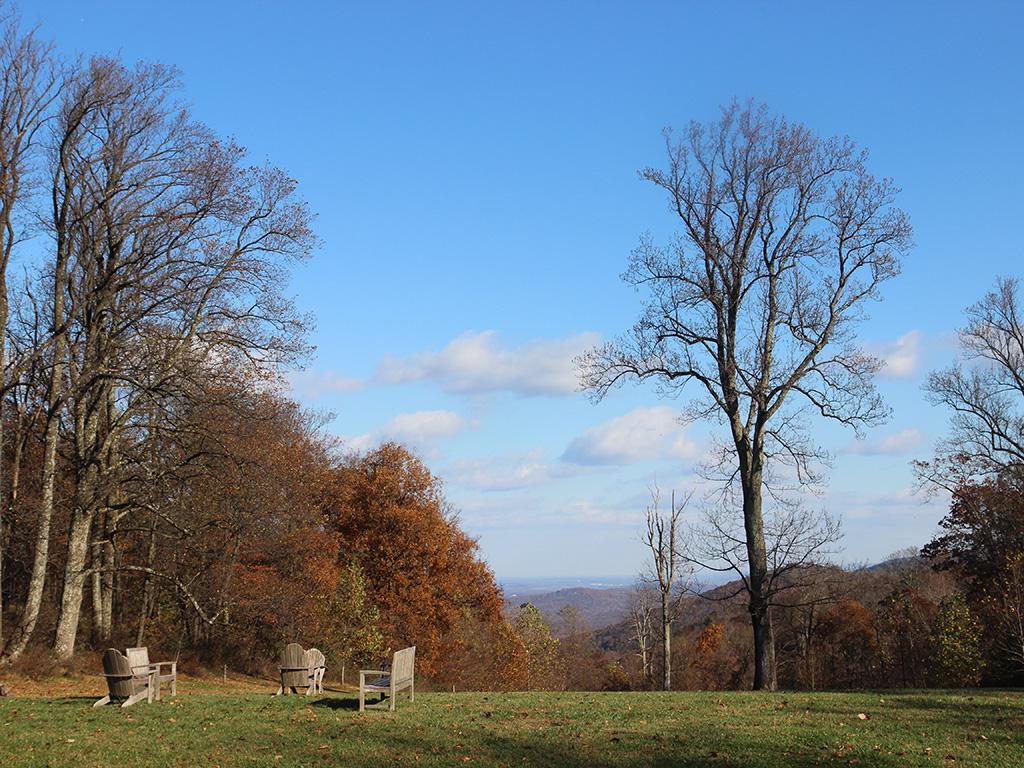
[[598, 607]]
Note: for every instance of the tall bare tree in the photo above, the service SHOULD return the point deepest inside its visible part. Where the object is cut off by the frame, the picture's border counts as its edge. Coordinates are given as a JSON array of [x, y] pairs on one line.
[[663, 537], [785, 237], [180, 259], [29, 83]]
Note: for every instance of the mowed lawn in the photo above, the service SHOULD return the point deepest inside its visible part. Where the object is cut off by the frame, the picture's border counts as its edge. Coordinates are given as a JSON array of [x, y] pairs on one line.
[[977, 728]]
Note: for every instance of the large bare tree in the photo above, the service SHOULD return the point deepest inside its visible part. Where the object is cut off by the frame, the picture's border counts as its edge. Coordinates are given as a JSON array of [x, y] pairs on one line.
[[30, 81], [785, 237]]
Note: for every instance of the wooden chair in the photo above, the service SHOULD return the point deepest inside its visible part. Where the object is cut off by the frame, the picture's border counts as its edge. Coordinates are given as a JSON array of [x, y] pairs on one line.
[[296, 670], [139, 660], [317, 663], [123, 683], [401, 675]]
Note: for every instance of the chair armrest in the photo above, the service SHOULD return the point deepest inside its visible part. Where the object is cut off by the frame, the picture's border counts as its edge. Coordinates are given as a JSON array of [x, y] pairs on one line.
[[172, 664], [294, 669], [377, 672]]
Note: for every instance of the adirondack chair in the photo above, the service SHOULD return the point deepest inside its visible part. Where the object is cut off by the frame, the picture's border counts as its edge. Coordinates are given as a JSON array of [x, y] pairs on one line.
[[390, 681], [123, 684], [139, 660], [317, 666], [300, 669]]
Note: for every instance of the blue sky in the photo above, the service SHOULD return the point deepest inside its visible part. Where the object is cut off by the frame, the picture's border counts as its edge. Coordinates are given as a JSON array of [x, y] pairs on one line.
[[474, 166]]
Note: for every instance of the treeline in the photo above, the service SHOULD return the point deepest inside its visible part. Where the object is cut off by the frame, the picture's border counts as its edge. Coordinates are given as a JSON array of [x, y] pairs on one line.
[[157, 487], [951, 617]]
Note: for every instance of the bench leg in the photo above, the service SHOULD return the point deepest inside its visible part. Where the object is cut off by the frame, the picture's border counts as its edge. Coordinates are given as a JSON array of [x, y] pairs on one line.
[[412, 690], [174, 685], [362, 699]]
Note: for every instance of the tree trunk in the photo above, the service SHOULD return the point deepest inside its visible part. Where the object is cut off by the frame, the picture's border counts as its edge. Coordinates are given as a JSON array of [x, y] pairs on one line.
[[757, 561], [147, 583], [764, 649], [666, 642], [34, 599], [74, 584], [103, 578]]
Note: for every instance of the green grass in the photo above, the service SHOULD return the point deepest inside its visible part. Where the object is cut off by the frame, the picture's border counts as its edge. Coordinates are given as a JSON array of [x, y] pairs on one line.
[[977, 728]]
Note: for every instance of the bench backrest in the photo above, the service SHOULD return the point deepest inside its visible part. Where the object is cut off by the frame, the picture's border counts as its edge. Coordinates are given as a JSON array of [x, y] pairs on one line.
[[294, 666], [118, 672], [139, 659], [402, 666]]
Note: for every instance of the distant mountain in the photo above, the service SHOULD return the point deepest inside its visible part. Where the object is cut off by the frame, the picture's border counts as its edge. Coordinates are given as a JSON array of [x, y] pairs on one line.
[[598, 607], [534, 585]]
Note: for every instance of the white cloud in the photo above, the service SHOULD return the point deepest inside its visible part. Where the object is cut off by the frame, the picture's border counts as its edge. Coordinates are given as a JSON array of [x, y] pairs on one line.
[[419, 430], [902, 357], [508, 472], [896, 444], [476, 363], [316, 384], [589, 513], [858, 505], [641, 434]]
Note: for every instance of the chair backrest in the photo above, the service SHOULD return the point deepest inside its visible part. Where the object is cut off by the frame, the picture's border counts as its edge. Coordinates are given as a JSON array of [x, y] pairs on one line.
[[402, 665], [118, 672], [294, 666], [315, 659], [139, 658]]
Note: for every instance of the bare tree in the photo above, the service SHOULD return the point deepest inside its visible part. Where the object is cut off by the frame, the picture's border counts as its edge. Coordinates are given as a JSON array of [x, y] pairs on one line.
[[797, 541], [179, 260], [663, 537], [30, 81], [984, 393], [785, 237]]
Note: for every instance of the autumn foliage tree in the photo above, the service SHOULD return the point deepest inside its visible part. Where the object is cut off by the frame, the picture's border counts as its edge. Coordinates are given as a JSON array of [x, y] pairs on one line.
[[422, 572]]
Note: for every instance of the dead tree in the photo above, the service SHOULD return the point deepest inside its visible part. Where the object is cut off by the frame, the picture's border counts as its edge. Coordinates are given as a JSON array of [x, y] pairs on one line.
[[785, 237], [663, 537]]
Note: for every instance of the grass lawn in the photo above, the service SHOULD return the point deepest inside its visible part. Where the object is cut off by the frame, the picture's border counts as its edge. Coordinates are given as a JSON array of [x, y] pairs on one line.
[[976, 728]]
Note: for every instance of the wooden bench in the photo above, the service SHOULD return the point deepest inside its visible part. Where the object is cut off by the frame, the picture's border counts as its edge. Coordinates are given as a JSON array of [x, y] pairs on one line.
[[390, 681]]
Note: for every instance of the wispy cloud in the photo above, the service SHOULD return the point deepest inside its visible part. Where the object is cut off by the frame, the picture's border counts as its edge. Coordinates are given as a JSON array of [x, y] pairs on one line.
[[897, 444], [641, 434], [508, 472], [902, 357], [477, 363], [315, 384], [420, 431]]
